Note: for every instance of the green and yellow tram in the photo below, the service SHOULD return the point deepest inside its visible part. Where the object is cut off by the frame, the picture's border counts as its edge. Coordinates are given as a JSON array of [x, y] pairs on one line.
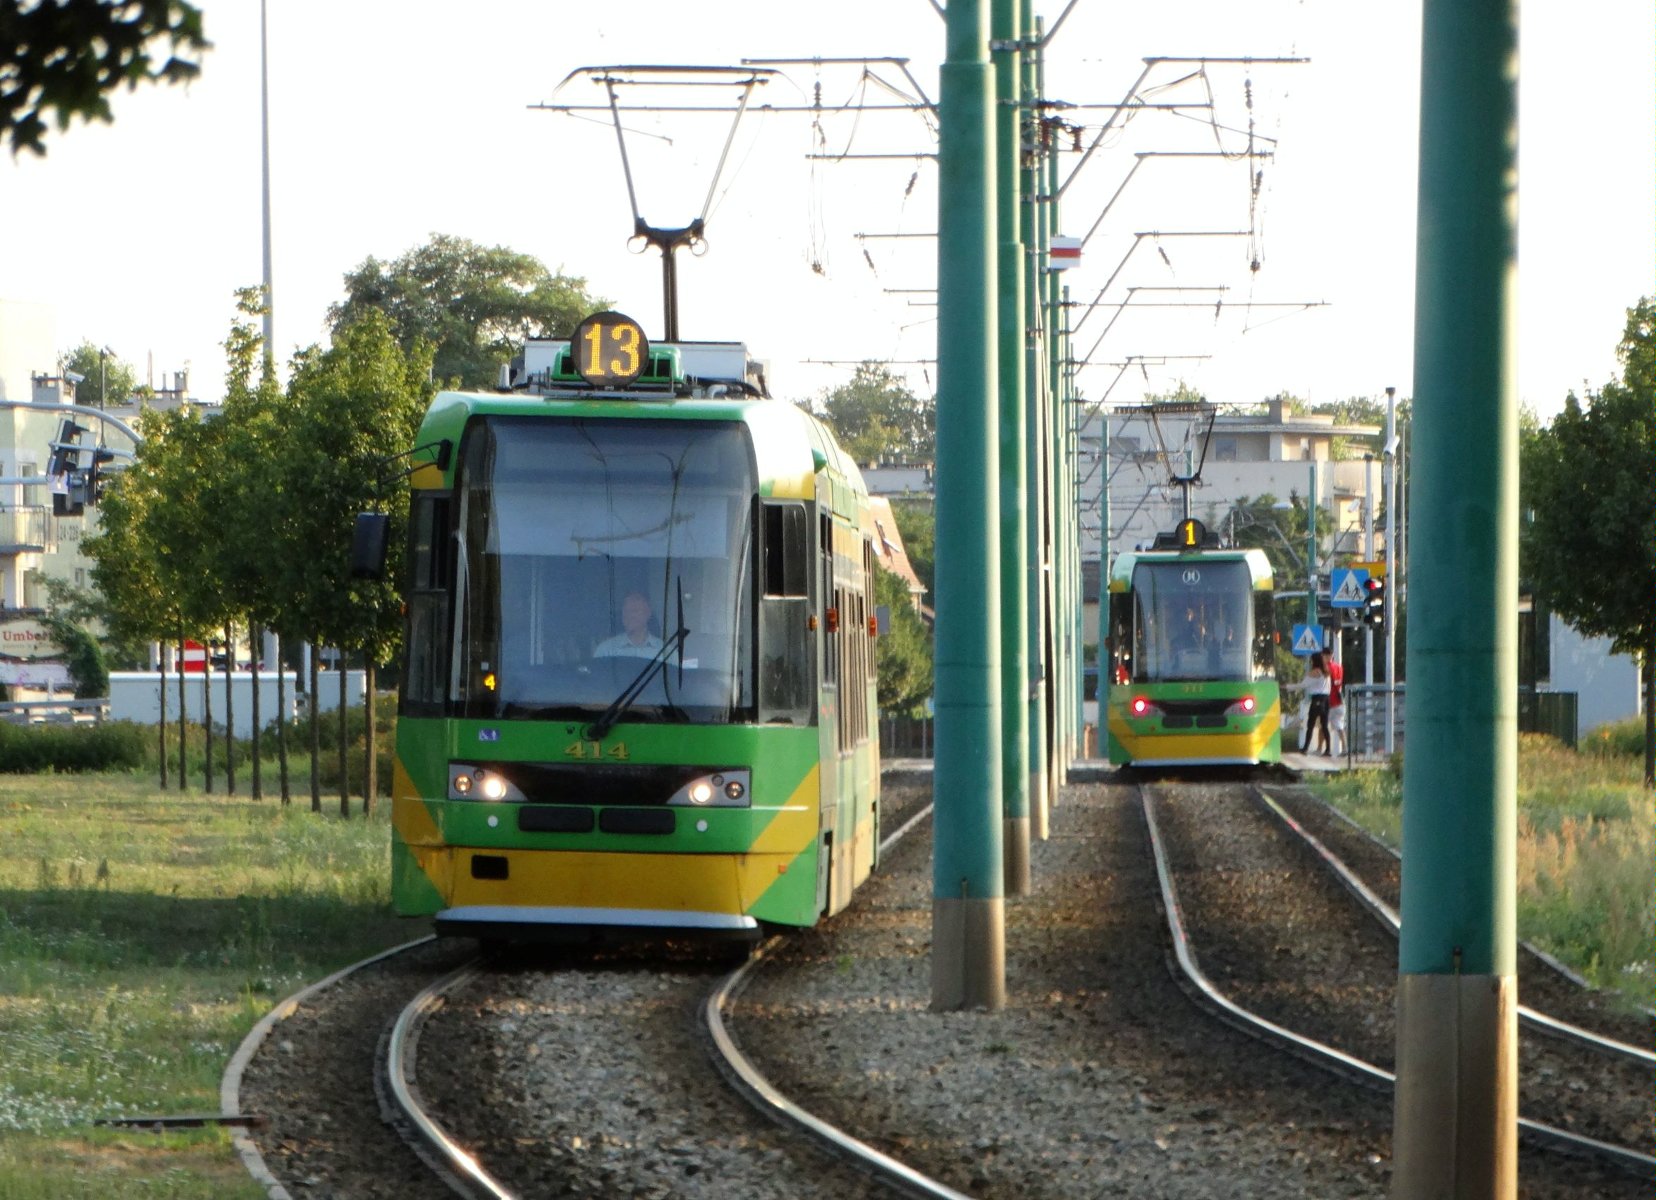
[[1192, 648], [638, 686]]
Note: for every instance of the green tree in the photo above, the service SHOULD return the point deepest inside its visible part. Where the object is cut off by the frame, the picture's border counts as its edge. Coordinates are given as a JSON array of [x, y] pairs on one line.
[[917, 525], [1590, 482], [80, 653], [473, 304], [65, 56], [351, 414], [904, 669], [107, 379], [877, 418]]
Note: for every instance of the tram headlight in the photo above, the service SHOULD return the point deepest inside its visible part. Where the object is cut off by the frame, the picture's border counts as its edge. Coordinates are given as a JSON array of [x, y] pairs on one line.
[[468, 781], [716, 789]]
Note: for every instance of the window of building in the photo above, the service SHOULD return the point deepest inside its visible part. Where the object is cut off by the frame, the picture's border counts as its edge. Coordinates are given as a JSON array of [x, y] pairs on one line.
[[1224, 449]]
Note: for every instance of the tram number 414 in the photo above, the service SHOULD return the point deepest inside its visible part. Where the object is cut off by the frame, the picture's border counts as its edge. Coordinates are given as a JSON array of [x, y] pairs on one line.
[[585, 749]]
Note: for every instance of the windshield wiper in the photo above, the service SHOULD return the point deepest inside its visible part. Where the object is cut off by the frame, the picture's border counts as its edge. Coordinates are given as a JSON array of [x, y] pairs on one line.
[[599, 729]]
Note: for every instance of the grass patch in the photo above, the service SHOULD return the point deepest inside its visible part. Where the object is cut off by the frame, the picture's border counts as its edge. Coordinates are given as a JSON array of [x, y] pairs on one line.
[[142, 934], [1584, 853]]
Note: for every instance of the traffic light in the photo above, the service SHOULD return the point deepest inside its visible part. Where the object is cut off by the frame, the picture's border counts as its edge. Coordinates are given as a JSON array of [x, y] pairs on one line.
[[1374, 603], [65, 455], [96, 476]]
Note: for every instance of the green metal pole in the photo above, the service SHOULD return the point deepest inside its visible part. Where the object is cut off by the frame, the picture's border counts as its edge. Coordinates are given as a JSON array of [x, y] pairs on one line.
[[968, 905], [1105, 675], [1455, 1131], [1311, 550], [1014, 548], [1064, 723], [1040, 670]]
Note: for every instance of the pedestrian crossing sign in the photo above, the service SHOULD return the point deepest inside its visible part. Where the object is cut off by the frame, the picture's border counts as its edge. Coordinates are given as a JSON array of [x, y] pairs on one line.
[[1347, 587], [1306, 639]]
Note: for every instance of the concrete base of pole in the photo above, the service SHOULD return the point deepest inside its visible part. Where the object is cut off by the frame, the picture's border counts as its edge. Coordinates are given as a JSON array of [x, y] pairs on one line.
[[1040, 811], [968, 953], [1455, 1131], [1015, 855]]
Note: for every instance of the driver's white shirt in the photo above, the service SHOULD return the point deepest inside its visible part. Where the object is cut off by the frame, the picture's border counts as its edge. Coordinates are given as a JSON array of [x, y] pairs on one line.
[[622, 646]]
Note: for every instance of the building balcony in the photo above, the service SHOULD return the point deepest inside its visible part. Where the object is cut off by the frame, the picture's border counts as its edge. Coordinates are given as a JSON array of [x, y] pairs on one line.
[[23, 528]]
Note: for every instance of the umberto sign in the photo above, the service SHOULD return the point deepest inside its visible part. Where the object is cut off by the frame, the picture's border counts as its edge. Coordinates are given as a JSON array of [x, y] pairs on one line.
[[26, 639]]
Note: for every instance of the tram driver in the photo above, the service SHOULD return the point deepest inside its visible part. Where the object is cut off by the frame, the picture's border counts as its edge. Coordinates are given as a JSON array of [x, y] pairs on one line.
[[635, 639]]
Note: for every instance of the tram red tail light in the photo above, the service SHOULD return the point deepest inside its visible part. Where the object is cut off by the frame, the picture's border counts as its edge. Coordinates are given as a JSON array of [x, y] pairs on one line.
[[1243, 707], [1140, 706]]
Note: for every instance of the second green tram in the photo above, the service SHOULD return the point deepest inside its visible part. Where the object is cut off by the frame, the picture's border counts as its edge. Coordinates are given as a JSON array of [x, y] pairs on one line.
[[1192, 653], [639, 673]]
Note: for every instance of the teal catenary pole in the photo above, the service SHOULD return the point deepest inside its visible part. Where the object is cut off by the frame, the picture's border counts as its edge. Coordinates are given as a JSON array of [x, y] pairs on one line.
[[1062, 510], [1040, 670], [1455, 1131], [968, 904], [1014, 547], [1311, 572]]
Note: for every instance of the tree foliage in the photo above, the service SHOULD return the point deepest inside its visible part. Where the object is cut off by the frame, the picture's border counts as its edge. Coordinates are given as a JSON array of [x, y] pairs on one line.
[[108, 379], [473, 304], [1589, 481], [877, 418], [904, 677], [917, 525], [65, 56]]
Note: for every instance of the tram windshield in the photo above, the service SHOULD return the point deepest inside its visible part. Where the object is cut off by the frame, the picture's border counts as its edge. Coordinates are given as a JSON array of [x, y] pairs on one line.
[[1193, 620], [586, 547]]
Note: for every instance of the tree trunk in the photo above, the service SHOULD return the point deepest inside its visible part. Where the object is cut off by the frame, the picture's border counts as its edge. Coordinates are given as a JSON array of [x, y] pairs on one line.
[[370, 769], [1649, 673], [344, 749], [207, 710], [254, 645], [282, 722], [229, 708], [315, 729], [183, 722], [161, 694]]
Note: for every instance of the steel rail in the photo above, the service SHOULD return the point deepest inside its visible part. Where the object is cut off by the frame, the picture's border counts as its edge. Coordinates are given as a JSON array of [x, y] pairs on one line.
[[1389, 917], [764, 1096], [230, 1086], [1320, 1052], [469, 1178]]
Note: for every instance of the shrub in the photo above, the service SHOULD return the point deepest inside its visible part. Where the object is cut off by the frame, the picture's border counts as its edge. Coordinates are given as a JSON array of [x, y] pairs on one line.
[[1619, 739], [72, 749]]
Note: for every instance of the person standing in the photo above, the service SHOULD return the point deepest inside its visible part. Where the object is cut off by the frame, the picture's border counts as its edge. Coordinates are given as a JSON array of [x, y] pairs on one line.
[[1336, 703], [1317, 684]]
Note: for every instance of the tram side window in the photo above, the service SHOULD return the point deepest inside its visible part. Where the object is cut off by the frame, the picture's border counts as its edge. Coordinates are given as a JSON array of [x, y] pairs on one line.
[[785, 683], [428, 557], [1264, 641], [1120, 643], [787, 550]]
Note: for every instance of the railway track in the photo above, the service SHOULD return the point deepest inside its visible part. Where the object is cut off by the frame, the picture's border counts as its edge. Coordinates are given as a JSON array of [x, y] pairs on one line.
[[605, 1029], [335, 1121], [1286, 953]]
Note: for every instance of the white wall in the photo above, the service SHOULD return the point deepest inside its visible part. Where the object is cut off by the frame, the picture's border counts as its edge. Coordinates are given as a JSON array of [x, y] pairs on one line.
[[132, 696], [1606, 685]]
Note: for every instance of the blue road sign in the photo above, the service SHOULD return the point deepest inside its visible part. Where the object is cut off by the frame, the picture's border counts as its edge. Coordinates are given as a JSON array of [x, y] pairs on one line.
[[1307, 639], [1347, 587]]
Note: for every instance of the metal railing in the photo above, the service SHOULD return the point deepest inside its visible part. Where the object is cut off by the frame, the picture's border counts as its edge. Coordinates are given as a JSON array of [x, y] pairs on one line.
[[22, 527], [1366, 716], [57, 712]]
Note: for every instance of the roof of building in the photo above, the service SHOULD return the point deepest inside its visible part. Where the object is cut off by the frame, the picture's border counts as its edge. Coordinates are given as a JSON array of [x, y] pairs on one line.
[[889, 545]]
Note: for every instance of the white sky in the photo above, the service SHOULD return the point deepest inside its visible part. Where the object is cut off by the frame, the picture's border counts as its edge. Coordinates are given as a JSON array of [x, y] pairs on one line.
[[390, 123]]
